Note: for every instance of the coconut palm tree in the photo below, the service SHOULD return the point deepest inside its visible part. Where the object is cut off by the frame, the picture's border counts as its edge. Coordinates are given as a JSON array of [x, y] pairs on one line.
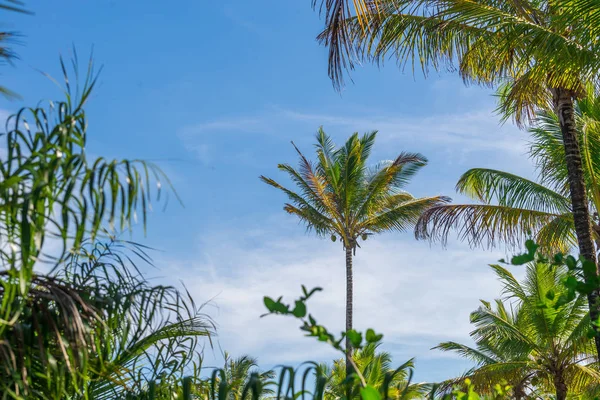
[[529, 340], [543, 52], [376, 368], [239, 377], [511, 207], [343, 197]]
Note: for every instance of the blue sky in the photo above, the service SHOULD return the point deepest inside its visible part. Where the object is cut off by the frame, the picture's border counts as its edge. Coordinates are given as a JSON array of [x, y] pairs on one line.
[[214, 92]]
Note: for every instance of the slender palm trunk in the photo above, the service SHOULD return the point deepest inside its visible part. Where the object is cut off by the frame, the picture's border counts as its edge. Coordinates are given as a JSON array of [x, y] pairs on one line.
[[560, 386], [349, 289], [565, 109]]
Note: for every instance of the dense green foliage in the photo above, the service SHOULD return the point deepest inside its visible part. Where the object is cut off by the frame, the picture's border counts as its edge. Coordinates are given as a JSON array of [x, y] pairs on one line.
[[92, 325], [531, 339], [375, 366], [79, 320]]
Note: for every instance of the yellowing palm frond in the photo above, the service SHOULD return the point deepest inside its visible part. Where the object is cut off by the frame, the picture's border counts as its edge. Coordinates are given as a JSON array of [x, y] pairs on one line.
[[515, 208], [482, 225], [490, 42], [403, 216]]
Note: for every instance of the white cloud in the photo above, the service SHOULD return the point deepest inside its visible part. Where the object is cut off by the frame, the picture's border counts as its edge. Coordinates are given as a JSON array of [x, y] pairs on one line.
[[474, 130], [454, 139], [238, 124], [415, 294]]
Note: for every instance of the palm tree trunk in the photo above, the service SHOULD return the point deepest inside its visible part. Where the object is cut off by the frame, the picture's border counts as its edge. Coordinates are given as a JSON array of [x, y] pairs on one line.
[[349, 295], [560, 386], [565, 109]]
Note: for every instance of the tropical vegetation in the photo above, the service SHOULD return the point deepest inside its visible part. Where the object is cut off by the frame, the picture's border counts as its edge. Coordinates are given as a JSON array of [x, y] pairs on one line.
[[79, 319], [92, 325], [529, 339], [377, 369], [238, 374]]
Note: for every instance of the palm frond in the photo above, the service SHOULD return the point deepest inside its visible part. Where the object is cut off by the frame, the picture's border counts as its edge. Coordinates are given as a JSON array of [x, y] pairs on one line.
[[480, 225], [100, 319], [313, 217], [467, 352], [558, 235], [511, 287], [402, 216], [512, 191], [49, 184], [338, 38]]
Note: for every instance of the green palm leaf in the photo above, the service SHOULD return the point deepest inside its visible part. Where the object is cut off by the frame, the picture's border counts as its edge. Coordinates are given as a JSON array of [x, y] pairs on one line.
[[477, 356], [480, 225], [527, 339], [376, 367], [510, 190]]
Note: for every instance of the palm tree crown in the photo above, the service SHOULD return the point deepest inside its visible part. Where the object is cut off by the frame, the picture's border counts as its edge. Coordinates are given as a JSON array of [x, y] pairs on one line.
[[378, 372], [236, 380], [530, 341], [342, 195]]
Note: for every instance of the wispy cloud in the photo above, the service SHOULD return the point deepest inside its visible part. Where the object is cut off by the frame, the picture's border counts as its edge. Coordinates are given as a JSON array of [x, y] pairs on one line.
[[475, 130], [240, 125], [415, 295], [239, 19], [471, 131], [469, 139]]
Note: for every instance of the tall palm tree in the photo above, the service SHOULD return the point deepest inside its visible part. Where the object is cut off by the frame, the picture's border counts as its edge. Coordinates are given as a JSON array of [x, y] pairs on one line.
[[377, 370], [543, 52], [342, 196], [528, 340], [512, 207]]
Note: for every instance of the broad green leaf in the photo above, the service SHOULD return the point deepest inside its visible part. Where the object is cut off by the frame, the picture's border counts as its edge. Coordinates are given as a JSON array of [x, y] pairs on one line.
[[300, 309], [355, 338], [369, 393]]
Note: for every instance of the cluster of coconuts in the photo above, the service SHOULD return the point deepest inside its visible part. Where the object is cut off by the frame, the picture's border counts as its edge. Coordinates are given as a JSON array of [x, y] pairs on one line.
[[364, 236]]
